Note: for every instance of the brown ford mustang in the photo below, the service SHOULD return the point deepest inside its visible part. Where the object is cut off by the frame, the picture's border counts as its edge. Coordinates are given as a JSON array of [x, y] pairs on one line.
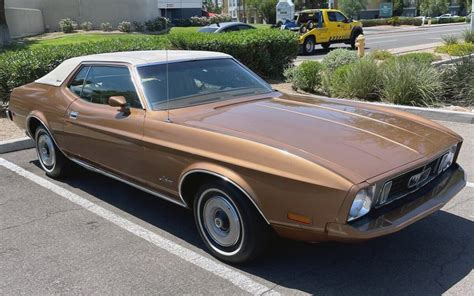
[[202, 131]]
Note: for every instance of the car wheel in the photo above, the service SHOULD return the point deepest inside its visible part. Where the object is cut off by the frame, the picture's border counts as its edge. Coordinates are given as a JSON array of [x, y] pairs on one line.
[[326, 45], [354, 39], [229, 224], [53, 162], [308, 45]]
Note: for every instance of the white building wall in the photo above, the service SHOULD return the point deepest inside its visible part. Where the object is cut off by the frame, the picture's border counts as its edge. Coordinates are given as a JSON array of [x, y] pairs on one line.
[[101, 11], [24, 21]]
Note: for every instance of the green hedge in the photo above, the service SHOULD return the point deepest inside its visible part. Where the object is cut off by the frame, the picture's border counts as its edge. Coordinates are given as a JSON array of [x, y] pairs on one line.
[[26, 65], [410, 21], [267, 52], [393, 21]]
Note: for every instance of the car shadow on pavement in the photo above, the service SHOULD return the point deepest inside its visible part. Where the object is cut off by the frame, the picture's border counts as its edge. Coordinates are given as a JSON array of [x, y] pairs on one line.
[[426, 258]]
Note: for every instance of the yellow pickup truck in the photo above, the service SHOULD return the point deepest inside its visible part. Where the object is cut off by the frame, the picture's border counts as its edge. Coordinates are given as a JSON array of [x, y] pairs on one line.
[[326, 26]]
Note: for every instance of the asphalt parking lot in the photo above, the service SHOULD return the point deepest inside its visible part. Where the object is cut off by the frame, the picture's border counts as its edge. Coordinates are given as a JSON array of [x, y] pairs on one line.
[[92, 235]]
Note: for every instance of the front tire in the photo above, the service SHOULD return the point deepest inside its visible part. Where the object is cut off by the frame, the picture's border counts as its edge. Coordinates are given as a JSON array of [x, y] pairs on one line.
[[229, 224], [51, 159], [309, 45]]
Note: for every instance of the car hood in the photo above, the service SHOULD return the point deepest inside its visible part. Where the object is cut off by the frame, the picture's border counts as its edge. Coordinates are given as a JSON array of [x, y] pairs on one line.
[[358, 141]]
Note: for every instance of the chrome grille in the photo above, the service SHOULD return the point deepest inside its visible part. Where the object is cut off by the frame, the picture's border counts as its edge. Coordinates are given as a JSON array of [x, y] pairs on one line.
[[409, 182]]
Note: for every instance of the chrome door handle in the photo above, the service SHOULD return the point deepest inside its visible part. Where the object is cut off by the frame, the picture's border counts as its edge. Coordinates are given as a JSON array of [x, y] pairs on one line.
[[73, 114]]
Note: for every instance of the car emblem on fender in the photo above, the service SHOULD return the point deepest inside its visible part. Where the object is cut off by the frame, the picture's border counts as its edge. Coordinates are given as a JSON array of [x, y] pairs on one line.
[[419, 178]]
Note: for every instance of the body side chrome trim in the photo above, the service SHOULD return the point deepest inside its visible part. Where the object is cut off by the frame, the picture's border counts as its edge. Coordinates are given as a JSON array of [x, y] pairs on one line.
[[107, 174], [223, 178]]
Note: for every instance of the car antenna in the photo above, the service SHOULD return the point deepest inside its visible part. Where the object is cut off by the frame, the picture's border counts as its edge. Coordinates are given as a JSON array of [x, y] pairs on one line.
[[168, 119]]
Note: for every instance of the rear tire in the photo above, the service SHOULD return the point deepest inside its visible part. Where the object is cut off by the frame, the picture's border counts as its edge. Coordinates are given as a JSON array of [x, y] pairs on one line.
[[354, 38], [229, 224], [309, 45], [51, 159]]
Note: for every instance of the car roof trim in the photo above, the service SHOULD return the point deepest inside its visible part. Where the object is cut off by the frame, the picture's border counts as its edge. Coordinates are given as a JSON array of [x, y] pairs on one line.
[[135, 58]]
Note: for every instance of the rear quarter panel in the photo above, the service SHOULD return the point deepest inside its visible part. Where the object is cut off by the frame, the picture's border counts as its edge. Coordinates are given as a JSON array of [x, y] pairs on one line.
[[47, 103]]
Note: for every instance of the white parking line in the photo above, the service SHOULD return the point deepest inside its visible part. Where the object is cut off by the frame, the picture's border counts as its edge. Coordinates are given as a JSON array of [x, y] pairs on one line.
[[470, 184], [238, 279]]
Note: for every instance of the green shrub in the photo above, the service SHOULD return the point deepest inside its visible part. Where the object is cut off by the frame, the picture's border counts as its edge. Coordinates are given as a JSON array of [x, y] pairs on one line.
[[459, 82], [380, 54], [468, 36], [449, 39], [158, 24], [359, 80], [67, 25], [332, 81], [394, 21], [86, 26], [306, 76], [374, 22], [410, 83], [267, 52], [124, 26], [461, 49], [196, 21], [420, 57], [106, 27], [139, 26], [24, 66], [339, 57]]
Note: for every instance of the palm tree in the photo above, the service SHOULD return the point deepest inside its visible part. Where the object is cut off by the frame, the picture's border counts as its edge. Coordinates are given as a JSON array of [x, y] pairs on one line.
[[5, 38]]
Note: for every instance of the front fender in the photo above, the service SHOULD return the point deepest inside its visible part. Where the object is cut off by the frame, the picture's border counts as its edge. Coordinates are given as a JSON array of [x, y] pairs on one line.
[[226, 174]]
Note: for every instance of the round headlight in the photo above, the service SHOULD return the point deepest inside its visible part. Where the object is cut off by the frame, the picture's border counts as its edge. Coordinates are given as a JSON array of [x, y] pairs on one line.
[[362, 203]]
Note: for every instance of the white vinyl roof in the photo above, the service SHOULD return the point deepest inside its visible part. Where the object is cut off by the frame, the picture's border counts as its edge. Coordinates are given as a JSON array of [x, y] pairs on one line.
[[136, 58]]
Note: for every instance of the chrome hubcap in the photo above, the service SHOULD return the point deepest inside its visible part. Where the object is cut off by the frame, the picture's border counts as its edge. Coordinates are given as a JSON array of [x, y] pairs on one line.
[[221, 221], [309, 46], [46, 150]]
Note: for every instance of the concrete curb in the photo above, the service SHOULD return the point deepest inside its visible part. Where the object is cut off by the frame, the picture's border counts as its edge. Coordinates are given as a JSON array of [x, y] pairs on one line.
[[431, 113], [449, 61], [16, 144]]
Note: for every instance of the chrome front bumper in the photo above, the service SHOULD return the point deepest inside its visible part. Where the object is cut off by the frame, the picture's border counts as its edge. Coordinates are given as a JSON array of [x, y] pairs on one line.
[[401, 213]]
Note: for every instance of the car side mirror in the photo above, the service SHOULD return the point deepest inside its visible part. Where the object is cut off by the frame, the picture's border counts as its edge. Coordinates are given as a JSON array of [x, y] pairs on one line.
[[120, 101], [349, 20]]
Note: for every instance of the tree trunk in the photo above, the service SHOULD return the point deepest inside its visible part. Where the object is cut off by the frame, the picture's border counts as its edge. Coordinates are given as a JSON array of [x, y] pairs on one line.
[[5, 38]]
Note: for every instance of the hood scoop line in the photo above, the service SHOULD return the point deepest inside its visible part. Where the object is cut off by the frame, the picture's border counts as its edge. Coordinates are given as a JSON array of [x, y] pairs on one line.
[[342, 124]]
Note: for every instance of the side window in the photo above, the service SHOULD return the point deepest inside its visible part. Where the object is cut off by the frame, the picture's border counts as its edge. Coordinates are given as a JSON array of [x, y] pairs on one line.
[[232, 29], [340, 17], [244, 27], [105, 81], [335, 16], [78, 82]]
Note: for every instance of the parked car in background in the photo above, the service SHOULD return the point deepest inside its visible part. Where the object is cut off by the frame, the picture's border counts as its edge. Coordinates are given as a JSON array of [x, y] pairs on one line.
[[226, 27], [445, 16], [201, 130]]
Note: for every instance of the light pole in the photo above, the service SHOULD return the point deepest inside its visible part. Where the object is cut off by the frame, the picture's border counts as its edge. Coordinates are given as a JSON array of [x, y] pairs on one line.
[[472, 16]]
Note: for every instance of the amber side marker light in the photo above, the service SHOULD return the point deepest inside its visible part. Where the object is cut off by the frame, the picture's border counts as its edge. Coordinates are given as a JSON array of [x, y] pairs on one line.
[[298, 218]]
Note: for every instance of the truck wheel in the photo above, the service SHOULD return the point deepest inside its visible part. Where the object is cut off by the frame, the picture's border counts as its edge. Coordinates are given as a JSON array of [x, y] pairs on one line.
[[308, 45], [326, 45], [229, 224], [354, 38]]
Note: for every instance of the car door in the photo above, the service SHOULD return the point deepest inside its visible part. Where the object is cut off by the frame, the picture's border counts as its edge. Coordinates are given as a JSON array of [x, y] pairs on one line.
[[339, 26], [100, 134]]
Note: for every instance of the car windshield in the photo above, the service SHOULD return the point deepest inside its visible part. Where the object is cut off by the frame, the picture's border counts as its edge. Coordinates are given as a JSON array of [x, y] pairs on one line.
[[198, 82], [208, 29]]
